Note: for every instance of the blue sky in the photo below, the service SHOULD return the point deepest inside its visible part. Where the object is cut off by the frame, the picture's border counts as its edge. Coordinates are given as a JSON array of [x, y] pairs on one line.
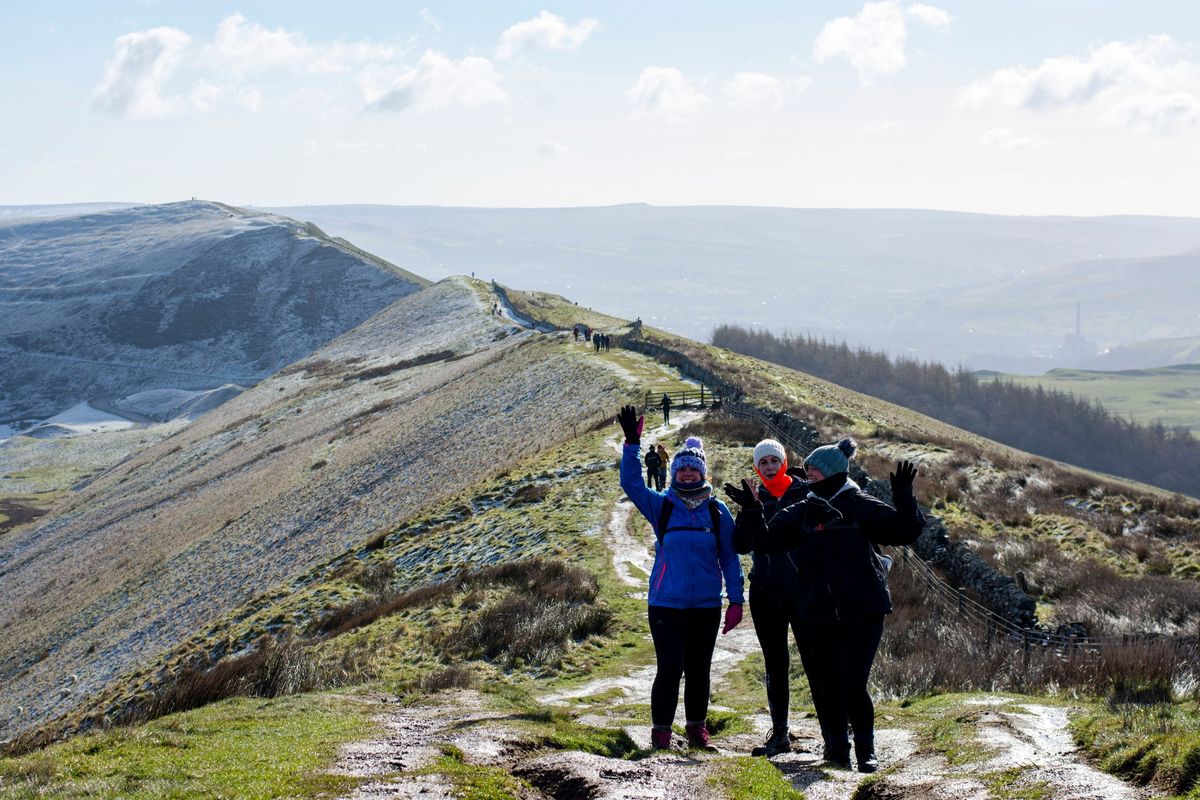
[[1034, 107]]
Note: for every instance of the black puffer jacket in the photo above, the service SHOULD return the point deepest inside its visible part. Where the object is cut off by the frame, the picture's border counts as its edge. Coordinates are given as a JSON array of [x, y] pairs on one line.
[[773, 572], [841, 574]]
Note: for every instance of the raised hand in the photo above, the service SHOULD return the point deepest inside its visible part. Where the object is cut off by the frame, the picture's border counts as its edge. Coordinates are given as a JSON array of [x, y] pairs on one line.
[[631, 424], [744, 495], [902, 479]]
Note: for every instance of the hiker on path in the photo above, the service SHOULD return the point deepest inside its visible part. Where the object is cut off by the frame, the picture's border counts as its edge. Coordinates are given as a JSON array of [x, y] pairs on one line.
[[660, 480], [843, 596], [774, 584], [666, 407], [596, 341], [575, 332], [693, 552], [653, 461]]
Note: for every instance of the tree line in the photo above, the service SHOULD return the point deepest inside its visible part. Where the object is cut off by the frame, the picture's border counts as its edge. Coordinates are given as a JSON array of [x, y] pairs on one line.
[[1050, 423]]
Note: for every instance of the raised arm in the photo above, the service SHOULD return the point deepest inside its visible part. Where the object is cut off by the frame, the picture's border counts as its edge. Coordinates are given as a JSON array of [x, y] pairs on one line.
[[646, 500]]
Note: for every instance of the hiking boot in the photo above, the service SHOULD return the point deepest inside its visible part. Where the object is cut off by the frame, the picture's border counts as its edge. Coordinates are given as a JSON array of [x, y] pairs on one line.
[[837, 755], [864, 754], [778, 741], [660, 738], [697, 735]]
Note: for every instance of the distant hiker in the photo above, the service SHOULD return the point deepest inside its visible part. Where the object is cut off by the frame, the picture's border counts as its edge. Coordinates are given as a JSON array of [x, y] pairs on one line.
[[693, 551], [774, 584], [596, 341], [605, 339], [843, 596], [653, 461], [666, 407], [660, 480]]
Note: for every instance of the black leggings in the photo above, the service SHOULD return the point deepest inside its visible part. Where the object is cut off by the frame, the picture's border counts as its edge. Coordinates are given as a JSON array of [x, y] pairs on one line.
[[842, 655], [771, 622], [684, 639]]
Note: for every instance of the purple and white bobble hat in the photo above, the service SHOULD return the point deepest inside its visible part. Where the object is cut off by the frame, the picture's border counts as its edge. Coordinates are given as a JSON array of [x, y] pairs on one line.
[[690, 455]]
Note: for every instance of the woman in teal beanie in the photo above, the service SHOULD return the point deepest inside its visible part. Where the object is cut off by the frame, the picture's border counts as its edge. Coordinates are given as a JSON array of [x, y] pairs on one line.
[[834, 533]]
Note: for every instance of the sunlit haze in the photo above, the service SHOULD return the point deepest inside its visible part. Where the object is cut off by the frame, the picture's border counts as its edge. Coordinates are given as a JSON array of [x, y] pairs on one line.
[[1026, 107]]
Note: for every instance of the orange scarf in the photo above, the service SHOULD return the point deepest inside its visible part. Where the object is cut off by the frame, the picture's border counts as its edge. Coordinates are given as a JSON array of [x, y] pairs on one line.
[[779, 484]]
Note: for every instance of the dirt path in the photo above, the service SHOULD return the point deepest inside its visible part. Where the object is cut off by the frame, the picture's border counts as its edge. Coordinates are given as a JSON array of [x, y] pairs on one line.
[[1027, 746]]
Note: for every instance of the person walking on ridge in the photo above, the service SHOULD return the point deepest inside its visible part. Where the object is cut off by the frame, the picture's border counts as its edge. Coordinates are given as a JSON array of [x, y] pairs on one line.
[[653, 461], [660, 479], [774, 584], [693, 554], [835, 533]]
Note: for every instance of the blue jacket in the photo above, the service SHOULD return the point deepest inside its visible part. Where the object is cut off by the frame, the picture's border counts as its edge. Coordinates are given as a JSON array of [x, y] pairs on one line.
[[688, 564]]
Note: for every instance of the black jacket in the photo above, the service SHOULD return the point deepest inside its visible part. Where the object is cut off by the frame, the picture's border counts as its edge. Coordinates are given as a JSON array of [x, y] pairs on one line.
[[841, 575], [773, 572], [652, 460]]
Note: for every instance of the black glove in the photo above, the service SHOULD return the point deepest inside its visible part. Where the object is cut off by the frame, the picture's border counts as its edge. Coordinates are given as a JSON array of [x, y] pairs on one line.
[[902, 479], [743, 496], [798, 472], [631, 423]]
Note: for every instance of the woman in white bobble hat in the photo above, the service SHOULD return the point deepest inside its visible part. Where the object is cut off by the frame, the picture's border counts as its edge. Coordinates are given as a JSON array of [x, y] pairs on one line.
[[773, 587]]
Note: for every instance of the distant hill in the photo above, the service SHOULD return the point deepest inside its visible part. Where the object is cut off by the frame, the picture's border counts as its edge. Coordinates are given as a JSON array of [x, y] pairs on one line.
[[1123, 302], [189, 295], [918, 283], [1135, 355], [1170, 395]]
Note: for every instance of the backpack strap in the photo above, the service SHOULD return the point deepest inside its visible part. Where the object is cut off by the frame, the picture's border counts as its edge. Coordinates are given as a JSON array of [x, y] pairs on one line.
[[714, 512]]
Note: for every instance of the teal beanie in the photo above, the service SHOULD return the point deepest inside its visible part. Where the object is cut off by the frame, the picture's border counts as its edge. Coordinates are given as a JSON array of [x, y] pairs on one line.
[[832, 458]]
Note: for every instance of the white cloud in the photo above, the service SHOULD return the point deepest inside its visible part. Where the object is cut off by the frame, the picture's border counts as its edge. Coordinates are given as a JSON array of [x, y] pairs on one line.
[[545, 30], [245, 46], [1009, 139], [308, 147], [551, 150], [873, 41], [242, 46], [204, 96], [664, 91], [734, 156], [932, 16], [1165, 113], [134, 78], [435, 82], [753, 90], [431, 20], [1142, 84]]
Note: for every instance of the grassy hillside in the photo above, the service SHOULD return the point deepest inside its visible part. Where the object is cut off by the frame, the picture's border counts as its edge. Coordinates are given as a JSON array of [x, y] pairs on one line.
[[406, 410], [426, 506], [1169, 395]]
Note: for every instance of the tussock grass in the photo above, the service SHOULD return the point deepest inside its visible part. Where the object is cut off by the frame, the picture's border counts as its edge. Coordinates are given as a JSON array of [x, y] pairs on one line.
[[1149, 744]]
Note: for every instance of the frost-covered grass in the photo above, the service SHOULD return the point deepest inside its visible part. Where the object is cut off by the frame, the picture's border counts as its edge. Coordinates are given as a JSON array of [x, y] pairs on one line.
[[285, 477]]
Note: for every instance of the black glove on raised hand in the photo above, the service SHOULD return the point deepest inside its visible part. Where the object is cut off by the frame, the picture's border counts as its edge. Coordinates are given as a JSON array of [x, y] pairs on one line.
[[902, 479], [631, 423], [744, 496]]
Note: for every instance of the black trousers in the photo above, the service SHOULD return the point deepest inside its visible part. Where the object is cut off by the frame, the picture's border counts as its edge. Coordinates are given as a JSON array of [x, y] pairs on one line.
[[772, 619], [842, 655], [684, 639]]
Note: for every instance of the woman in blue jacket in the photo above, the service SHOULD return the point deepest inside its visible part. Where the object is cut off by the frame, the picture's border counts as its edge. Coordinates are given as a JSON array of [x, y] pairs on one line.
[[692, 553]]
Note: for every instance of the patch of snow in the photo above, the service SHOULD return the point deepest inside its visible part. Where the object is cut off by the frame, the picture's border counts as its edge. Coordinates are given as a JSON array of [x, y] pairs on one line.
[[78, 420], [169, 404]]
